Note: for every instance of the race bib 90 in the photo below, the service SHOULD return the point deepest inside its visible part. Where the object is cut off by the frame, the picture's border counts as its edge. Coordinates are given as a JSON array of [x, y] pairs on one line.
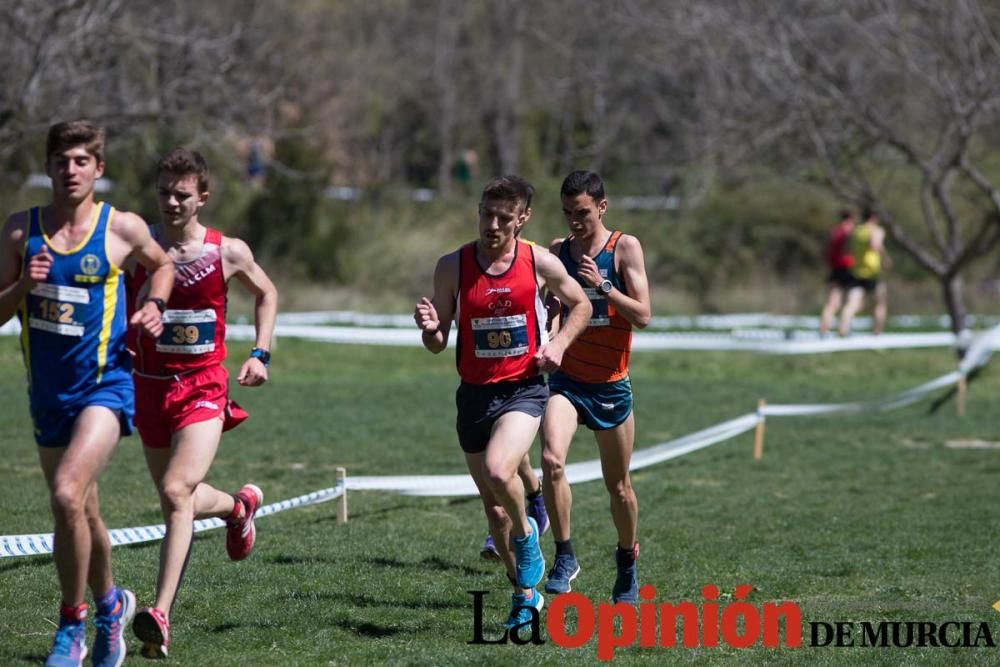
[[500, 336]]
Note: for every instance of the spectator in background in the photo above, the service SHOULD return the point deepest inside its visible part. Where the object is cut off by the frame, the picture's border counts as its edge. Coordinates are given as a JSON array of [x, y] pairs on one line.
[[839, 260], [867, 247]]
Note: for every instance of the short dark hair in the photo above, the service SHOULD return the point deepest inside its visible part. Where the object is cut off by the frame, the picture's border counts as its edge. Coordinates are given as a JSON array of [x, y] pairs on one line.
[[185, 162], [868, 213], [583, 182], [845, 214], [69, 134], [509, 188]]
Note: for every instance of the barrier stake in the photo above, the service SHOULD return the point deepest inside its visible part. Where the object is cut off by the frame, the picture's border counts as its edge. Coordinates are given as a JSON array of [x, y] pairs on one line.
[[342, 501], [758, 434], [960, 397]]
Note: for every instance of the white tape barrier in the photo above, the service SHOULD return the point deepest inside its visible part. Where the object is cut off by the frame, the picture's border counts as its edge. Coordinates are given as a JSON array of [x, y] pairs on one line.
[[640, 340], [40, 544], [762, 341], [977, 356], [733, 321]]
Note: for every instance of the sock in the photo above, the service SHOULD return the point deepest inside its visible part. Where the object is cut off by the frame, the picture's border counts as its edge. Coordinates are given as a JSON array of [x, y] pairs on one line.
[[628, 555], [106, 603], [564, 548], [534, 494], [68, 614], [238, 511]]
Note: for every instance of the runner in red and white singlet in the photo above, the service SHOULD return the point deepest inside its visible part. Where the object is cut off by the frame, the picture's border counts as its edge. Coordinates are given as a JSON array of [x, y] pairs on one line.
[[182, 387]]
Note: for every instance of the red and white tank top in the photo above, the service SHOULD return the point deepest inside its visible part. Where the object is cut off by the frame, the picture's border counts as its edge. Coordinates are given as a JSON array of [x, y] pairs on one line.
[[501, 319], [194, 324]]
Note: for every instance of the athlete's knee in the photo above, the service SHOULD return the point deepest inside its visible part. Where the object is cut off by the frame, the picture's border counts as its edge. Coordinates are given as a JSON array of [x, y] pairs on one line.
[[553, 464], [68, 501], [499, 474], [620, 490], [176, 495]]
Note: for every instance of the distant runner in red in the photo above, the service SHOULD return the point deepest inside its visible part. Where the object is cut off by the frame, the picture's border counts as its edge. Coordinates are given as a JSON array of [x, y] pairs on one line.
[[839, 260]]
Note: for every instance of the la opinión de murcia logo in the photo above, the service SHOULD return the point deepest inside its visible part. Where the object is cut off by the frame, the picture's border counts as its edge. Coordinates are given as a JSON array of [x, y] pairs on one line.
[[711, 623]]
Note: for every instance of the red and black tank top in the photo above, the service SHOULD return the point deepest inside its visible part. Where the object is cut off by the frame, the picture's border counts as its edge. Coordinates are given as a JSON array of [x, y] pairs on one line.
[[500, 319]]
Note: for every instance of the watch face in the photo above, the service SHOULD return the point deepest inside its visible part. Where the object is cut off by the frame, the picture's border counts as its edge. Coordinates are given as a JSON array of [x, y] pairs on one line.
[[605, 287]]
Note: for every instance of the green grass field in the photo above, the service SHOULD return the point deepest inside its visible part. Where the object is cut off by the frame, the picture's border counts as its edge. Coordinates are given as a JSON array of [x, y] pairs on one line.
[[860, 518]]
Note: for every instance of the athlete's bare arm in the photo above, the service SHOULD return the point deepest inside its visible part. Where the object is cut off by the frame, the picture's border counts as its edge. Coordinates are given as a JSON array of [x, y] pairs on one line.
[[434, 316], [635, 305], [553, 276], [134, 240], [878, 245], [238, 262], [14, 286]]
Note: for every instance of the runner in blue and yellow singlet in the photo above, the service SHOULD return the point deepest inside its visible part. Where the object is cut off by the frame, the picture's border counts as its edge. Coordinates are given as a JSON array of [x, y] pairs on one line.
[[492, 289], [592, 384], [60, 271]]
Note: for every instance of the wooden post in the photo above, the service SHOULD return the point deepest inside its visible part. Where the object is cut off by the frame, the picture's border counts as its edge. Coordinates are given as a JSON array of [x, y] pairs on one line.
[[960, 396], [758, 435], [342, 501]]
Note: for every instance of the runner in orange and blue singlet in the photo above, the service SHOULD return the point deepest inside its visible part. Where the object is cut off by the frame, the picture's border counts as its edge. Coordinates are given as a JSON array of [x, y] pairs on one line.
[[592, 385], [492, 288], [594, 371]]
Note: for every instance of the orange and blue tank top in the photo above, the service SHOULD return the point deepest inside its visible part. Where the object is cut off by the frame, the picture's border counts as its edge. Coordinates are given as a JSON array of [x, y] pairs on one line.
[[600, 354], [501, 319], [73, 324]]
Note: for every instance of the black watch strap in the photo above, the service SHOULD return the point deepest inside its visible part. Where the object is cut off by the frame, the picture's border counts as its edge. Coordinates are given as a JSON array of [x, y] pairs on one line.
[[262, 354], [160, 304]]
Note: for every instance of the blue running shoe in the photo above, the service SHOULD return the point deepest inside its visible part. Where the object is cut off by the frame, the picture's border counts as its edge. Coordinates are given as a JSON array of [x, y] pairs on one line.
[[489, 550], [528, 558], [626, 588], [563, 571], [109, 645], [520, 610], [70, 645], [536, 510]]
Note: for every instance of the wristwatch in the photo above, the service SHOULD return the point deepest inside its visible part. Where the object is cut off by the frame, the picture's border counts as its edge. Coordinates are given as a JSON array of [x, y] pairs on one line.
[[262, 354], [605, 287], [160, 304]]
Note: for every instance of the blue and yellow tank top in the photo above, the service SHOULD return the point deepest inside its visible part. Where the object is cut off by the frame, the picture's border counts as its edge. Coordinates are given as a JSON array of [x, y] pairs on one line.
[[601, 353], [73, 325], [867, 261]]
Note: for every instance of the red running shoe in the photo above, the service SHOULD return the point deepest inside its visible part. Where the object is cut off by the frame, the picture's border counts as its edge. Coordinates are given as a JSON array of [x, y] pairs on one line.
[[153, 628], [241, 534]]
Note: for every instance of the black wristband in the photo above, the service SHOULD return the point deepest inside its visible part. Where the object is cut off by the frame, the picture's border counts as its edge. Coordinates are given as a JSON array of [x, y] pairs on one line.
[[160, 304]]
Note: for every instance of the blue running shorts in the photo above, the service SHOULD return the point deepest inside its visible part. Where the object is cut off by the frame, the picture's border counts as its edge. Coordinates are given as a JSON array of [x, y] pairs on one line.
[[599, 406], [54, 427]]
